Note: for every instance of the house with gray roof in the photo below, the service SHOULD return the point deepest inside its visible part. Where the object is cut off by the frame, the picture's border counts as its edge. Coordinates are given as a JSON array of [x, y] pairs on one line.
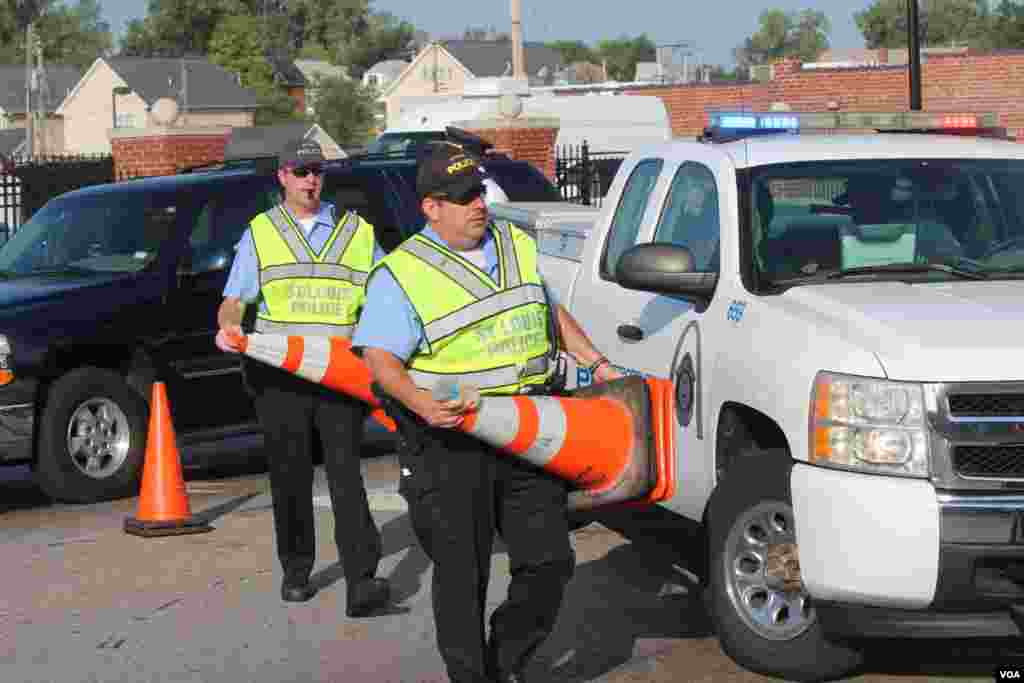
[[55, 82], [444, 68], [120, 92], [256, 142]]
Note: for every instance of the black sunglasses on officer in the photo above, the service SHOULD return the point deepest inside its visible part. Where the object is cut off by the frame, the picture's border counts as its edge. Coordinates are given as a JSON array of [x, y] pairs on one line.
[[303, 171]]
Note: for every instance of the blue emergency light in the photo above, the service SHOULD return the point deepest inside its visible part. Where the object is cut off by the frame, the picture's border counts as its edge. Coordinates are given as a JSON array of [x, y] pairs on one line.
[[733, 124]]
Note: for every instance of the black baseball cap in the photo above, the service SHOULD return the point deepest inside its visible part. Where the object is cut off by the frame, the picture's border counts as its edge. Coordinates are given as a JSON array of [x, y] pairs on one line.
[[301, 152], [446, 169]]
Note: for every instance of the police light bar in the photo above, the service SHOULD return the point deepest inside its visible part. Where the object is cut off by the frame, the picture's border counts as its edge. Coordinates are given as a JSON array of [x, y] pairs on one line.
[[739, 123]]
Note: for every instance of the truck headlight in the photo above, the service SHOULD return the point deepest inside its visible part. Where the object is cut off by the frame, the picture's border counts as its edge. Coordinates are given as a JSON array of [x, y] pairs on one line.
[[868, 425]]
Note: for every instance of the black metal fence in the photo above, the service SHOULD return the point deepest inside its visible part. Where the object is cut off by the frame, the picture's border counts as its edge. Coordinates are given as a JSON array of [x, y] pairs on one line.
[[583, 176], [27, 184]]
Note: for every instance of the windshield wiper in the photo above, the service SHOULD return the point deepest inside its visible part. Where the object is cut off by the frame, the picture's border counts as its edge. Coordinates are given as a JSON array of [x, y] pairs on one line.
[[907, 268]]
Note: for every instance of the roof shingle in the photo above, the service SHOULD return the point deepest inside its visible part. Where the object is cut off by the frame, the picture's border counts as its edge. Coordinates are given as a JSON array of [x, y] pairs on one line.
[[209, 85], [491, 58], [60, 80]]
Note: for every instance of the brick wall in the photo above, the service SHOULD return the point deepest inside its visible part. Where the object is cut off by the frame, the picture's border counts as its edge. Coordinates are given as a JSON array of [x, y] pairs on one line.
[[989, 82], [535, 144], [165, 153]]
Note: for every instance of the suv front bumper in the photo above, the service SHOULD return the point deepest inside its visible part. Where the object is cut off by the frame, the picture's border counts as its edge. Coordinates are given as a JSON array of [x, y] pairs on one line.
[[17, 420]]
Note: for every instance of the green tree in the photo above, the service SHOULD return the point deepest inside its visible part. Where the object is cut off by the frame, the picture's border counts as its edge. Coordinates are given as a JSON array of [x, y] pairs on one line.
[[573, 51], [237, 45], [1007, 26], [385, 37], [623, 54], [941, 23], [345, 109], [178, 26], [73, 34], [782, 34]]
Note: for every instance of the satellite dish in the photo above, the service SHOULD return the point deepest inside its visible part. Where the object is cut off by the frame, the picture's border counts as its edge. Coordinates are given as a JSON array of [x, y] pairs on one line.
[[164, 111], [510, 105]]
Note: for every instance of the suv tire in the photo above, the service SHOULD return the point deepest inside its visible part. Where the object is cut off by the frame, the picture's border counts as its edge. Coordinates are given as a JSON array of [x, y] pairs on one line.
[[92, 438], [759, 624]]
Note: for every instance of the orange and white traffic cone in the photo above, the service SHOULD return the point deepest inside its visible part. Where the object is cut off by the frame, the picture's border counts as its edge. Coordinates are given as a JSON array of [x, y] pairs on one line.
[[603, 440], [163, 504], [325, 360]]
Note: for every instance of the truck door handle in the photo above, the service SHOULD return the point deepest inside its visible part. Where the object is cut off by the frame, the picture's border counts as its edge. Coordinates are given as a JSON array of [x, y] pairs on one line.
[[630, 332]]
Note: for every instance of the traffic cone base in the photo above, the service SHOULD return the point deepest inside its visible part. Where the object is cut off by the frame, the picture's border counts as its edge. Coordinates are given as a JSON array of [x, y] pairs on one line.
[[163, 504]]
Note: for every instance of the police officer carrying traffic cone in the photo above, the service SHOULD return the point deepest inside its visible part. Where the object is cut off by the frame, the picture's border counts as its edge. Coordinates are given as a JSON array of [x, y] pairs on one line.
[[461, 304], [303, 268]]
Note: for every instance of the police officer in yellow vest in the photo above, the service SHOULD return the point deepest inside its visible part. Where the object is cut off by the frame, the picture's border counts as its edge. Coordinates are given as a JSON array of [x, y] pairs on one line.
[[304, 267], [462, 302]]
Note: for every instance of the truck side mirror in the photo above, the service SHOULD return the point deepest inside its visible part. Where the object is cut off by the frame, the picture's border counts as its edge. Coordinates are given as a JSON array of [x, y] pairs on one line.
[[665, 269]]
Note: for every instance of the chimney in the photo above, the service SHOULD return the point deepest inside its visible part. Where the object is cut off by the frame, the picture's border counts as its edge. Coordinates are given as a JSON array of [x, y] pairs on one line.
[[518, 61]]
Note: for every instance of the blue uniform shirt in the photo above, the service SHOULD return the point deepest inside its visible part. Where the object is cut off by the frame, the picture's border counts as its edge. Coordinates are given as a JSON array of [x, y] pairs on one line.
[[244, 282], [390, 322]]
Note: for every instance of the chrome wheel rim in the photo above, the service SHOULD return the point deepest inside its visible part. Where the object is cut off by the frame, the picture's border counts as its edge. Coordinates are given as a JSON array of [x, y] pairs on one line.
[[760, 599], [98, 438]]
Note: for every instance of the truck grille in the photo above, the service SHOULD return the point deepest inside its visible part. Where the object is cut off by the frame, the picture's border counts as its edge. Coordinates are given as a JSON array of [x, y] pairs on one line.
[[977, 437], [986, 405], [1004, 461]]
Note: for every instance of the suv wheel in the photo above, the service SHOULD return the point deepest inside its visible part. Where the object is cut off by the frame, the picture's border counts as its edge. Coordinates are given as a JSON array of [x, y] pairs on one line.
[[763, 615], [92, 438]]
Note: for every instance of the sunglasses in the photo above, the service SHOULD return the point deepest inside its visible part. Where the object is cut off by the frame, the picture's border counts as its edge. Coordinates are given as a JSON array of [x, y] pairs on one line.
[[465, 197], [303, 171]]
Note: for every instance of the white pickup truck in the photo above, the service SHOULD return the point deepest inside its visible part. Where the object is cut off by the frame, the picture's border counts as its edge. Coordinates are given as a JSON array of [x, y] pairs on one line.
[[843, 319]]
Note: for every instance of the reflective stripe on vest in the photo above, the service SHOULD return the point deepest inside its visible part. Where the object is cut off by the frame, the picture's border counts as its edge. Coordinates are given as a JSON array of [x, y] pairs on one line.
[[304, 293], [497, 377], [491, 335]]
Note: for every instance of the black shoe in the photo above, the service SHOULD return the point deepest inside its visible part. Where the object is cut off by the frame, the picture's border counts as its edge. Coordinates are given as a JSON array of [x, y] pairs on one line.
[[366, 596], [510, 677], [297, 591]]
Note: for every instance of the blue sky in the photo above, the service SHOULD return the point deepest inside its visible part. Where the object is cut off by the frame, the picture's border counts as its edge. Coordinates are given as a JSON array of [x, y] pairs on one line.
[[715, 27]]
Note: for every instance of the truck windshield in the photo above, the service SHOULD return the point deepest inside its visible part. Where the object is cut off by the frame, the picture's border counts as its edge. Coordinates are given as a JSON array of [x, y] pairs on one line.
[[97, 234], [838, 221]]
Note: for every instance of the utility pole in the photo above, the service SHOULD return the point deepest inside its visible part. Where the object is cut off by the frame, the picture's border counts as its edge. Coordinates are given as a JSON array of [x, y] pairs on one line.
[[28, 92], [184, 92], [914, 48], [518, 58]]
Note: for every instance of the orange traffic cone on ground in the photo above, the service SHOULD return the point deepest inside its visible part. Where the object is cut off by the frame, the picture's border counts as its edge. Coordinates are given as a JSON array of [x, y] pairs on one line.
[[163, 504], [603, 439]]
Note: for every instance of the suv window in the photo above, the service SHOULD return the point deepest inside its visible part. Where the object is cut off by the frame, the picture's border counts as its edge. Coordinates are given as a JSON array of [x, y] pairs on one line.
[[112, 232], [221, 223], [690, 216], [629, 213], [369, 193]]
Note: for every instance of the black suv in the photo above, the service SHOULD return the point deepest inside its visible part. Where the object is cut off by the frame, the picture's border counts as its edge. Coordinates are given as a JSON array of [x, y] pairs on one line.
[[110, 288]]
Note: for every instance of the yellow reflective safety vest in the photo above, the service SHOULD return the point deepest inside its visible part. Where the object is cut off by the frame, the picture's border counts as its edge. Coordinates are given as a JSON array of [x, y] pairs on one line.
[[493, 336], [306, 293]]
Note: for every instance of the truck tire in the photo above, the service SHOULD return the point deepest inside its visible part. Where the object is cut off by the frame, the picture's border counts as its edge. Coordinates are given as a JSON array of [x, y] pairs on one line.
[[762, 625], [92, 438]]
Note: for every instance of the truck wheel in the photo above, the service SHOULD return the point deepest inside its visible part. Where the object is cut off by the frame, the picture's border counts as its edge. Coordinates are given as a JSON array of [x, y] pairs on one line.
[[92, 438], [764, 617]]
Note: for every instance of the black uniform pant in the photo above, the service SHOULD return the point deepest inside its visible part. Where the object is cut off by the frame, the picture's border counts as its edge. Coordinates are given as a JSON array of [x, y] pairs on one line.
[[459, 492], [291, 411]]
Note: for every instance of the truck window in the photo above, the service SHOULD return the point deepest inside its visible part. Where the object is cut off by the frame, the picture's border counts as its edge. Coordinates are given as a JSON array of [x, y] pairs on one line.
[[629, 214], [690, 215], [811, 219]]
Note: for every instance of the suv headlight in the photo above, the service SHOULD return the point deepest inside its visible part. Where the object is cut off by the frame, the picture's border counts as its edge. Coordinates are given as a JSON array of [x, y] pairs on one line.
[[868, 425]]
